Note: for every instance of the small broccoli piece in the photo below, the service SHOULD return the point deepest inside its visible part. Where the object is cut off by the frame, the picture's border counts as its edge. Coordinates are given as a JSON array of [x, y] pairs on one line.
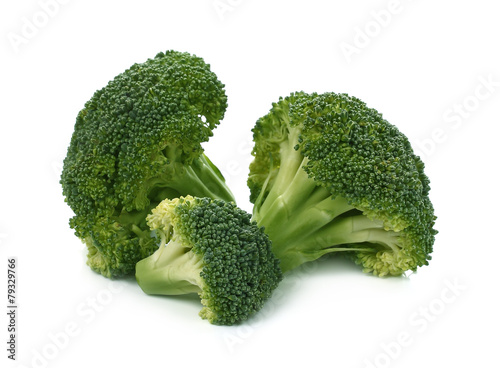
[[331, 175], [136, 142], [210, 247]]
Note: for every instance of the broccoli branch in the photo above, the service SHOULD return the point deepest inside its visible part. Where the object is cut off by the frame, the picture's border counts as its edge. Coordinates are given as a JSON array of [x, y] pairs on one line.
[[172, 270]]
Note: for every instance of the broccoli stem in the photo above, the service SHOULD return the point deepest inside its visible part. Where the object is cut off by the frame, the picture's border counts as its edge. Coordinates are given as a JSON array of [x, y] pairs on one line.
[[172, 270], [304, 222], [201, 179], [343, 234], [135, 220], [290, 163]]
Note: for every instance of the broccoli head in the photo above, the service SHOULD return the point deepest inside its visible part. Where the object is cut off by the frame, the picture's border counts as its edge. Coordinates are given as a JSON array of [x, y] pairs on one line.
[[210, 247], [331, 175], [136, 142]]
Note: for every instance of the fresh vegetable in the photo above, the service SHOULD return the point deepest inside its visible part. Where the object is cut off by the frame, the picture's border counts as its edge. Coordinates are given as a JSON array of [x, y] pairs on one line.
[[210, 247], [331, 175], [136, 142]]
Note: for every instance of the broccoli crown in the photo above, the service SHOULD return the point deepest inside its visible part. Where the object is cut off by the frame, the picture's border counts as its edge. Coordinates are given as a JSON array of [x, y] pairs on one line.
[[211, 247], [332, 153], [136, 142]]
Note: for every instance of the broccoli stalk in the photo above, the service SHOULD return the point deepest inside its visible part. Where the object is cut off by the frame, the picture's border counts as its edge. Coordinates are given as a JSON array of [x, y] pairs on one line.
[[171, 270], [136, 142], [330, 175], [210, 247], [305, 223]]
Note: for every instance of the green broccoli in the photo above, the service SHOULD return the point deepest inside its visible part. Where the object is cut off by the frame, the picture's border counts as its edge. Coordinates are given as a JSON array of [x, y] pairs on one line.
[[210, 247], [136, 142], [331, 175]]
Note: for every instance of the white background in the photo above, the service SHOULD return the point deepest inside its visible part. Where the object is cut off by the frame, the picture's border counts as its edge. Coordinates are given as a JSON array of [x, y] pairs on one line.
[[431, 67]]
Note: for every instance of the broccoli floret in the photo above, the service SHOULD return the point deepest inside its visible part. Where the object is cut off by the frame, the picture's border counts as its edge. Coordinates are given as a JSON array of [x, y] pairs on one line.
[[136, 142], [210, 247], [331, 175]]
